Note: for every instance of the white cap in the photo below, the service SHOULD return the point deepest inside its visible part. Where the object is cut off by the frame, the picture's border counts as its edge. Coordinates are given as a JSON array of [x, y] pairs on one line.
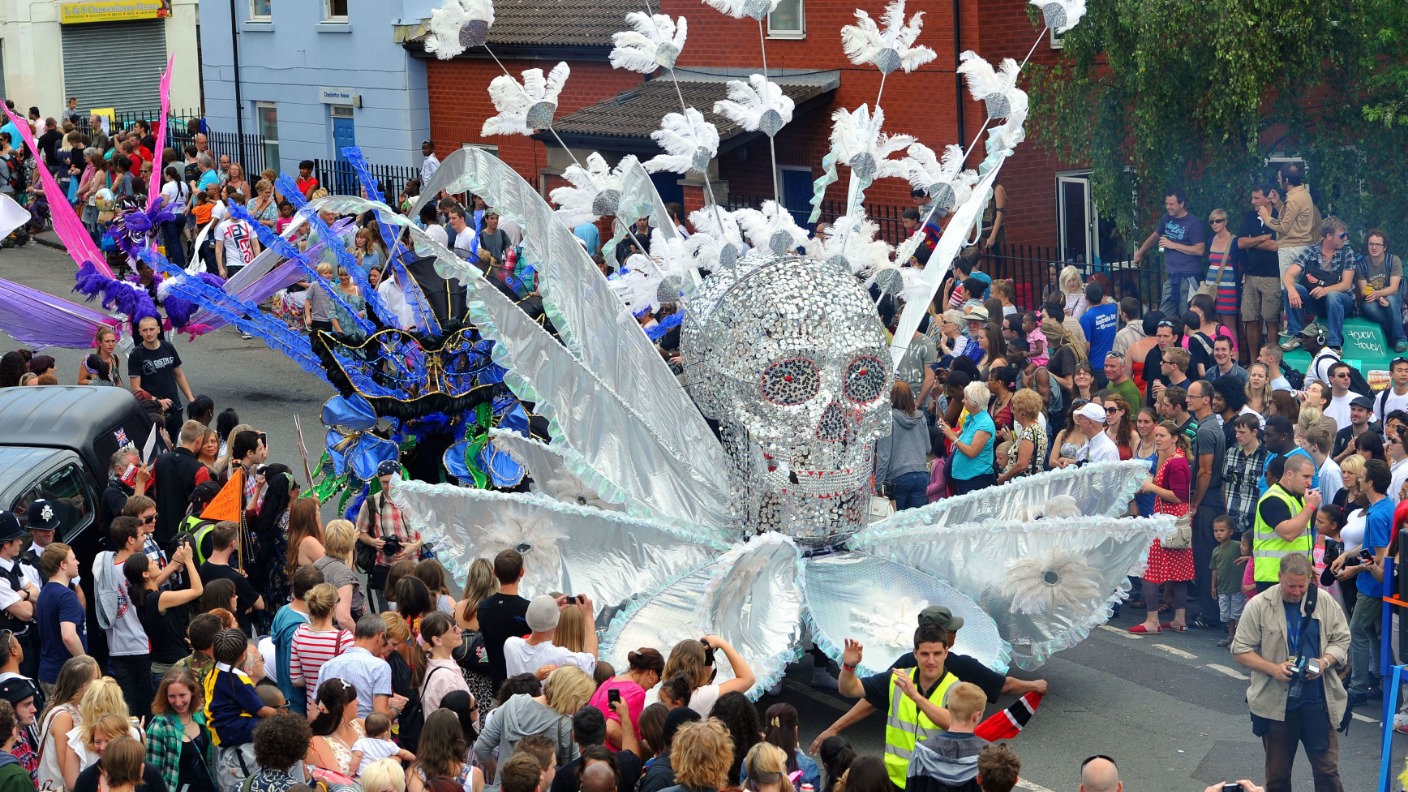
[[1092, 411]]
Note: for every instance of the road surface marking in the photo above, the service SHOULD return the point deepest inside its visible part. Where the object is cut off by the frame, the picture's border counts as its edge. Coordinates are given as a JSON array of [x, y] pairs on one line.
[[1232, 672], [1116, 631], [1175, 652], [1023, 783], [1365, 718]]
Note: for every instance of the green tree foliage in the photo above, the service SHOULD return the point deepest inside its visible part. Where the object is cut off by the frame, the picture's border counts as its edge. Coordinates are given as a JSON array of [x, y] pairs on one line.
[[1161, 93]]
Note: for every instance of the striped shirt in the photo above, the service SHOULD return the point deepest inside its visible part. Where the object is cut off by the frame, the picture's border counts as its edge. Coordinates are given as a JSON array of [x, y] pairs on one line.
[[309, 650]]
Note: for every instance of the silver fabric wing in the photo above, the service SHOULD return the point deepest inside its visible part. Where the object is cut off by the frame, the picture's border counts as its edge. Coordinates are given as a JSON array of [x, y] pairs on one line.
[[551, 473], [606, 555]]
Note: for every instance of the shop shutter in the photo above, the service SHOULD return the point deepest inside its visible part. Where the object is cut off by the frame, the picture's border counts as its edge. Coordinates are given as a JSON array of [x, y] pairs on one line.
[[115, 64]]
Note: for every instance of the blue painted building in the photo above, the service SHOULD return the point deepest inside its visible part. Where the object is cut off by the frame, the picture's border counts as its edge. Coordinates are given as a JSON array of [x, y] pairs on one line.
[[316, 75]]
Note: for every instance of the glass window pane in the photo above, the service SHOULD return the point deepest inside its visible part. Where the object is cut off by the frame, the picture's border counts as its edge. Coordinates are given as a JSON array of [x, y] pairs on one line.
[[337, 8], [260, 8], [787, 18]]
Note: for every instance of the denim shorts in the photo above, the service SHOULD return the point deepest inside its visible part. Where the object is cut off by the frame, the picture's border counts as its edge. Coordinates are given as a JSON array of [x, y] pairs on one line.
[[1229, 606]]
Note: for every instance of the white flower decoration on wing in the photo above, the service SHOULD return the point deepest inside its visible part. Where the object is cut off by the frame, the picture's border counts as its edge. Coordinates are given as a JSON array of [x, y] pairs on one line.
[[945, 180], [525, 107], [894, 624], [655, 42], [992, 87], [570, 489], [716, 241], [533, 536], [458, 25], [857, 141], [689, 141], [738, 9], [888, 49], [1058, 580], [595, 191], [1060, 15], [647, 282], [756, 105], [772, 228]]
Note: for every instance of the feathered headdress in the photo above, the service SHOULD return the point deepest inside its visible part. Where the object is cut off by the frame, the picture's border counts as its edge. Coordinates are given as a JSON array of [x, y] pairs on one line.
[[1061, 15], [854, 240], [525, 107], [772, 228], [889, 49], [989, 86], [689, 141], [754, 9], [458, 25], [716, 240], [756, 105], [656, 42]]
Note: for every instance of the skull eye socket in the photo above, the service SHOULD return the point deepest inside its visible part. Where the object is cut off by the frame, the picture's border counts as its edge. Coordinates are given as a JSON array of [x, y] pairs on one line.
[[865, 380], [791, 382]]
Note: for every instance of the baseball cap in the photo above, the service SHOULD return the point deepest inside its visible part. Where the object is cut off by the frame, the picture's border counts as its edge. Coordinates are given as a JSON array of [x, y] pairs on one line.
[[1092, 411], [17, 689], [42, 516], [542, 613], [388, 467], [10, 529], [1363, 402], [940, 617]]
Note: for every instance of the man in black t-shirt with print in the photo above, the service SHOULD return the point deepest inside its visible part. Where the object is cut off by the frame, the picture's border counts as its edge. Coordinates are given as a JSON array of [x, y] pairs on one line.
[[505, 614], [1262, 294], [155, 367]]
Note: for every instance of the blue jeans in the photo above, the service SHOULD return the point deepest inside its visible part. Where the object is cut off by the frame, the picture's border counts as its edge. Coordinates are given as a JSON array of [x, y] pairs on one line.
[[1333, 307], [909, 490], [1178, 291], [1390, 318], [1364, 643], [171, 237]]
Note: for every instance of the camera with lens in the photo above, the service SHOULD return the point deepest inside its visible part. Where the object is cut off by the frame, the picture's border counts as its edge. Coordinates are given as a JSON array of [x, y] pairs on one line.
[[709, 651], [1298, 678], [1233, 786], [392, 547]]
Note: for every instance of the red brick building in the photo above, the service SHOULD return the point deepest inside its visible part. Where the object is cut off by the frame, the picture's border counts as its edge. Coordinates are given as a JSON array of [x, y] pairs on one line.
[[613, 111]]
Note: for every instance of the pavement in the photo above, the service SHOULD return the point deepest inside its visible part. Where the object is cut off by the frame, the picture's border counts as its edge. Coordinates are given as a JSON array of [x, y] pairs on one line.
[[1170, 708]]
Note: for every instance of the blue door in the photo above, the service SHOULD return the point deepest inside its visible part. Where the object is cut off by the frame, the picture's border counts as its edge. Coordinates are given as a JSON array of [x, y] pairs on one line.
[[344, 135], [797, 193]]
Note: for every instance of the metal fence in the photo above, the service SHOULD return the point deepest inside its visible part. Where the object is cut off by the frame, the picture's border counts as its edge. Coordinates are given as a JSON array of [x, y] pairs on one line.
[[247, 150], [339, 177], [1032, 267], [887, 216], [176, 119]]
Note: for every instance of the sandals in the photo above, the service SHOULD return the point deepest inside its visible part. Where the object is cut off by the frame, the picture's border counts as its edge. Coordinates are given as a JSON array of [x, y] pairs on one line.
[[1140, 629], [1171, 627]]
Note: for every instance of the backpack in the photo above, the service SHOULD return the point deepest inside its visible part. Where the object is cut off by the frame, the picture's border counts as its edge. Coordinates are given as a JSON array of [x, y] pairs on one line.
[[1294, 377], [193, 534], [12, 174], [412, 718]]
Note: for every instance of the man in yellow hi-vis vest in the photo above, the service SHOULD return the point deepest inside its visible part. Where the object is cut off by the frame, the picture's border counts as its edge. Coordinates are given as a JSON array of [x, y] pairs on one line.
[[912, 698], [1283, 518]]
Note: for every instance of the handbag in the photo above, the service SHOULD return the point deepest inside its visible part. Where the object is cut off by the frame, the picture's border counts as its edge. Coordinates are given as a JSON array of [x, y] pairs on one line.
[[1182, 538], [1210, 287], [880, 508]]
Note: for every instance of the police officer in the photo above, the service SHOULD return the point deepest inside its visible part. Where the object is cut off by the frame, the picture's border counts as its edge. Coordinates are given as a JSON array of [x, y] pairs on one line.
[[19, 590]]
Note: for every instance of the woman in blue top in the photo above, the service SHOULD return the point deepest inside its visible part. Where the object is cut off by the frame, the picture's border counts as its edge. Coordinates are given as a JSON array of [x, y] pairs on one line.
[[973, 449]]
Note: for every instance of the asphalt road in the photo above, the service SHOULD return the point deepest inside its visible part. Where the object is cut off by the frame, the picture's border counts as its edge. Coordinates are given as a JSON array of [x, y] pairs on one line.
[[1169, 708]]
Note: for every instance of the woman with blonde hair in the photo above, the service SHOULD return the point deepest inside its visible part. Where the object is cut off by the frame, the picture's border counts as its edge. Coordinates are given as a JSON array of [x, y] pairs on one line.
[[58, 764], [572, 630], [339, 539], [104, 366], [765, 769], [479, 585], [566, 690], [177, 726], [121, 768], [317, 641], [1073, 290], [305, 534], [104, 714], [1030, 439], [383, 775], [973, 458], [1258, 390], [701, 755], [688, 658]]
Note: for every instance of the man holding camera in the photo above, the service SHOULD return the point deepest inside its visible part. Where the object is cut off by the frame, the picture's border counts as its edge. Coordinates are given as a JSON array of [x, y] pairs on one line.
[[381, 525], [1291, 638]]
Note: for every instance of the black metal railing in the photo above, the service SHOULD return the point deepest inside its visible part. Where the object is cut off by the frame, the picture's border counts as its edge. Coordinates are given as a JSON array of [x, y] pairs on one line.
[[340, 178], [177, 119], [1029, 267], [247, 149]]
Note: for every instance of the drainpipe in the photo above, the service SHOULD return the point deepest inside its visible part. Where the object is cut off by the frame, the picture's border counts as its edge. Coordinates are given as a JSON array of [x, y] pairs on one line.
[[957, 78], [235, 53]]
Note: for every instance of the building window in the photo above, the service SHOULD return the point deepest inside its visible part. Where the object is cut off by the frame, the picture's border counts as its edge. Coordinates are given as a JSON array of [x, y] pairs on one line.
[[788, 20], [267, 117], [260, 10], [335, 10]]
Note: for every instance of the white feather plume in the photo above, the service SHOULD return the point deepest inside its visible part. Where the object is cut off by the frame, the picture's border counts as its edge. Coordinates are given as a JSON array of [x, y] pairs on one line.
[[738, 9], [1061, 15], [715, 229], [856, 137], [926, 171], [893, 47], [533, 99], [443, 33], [655, 42], [772, 228], [640, 285], [1013, 131], [689, 141], [590, 195], [984, 81], [758, 103], [856, 240]]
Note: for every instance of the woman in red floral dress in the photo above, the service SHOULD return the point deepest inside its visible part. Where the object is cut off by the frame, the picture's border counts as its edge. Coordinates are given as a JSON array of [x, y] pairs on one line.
[[1170, 485]]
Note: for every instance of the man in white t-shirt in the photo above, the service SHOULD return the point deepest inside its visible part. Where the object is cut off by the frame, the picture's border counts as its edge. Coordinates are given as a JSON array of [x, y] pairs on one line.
[[537, 654], [236, 244], [1395, 396], [1340, 395], [466, 241], [1090, 419]]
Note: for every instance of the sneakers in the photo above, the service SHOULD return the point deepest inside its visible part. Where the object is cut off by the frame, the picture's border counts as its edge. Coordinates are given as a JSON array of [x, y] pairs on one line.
[[1401, 346], [1203, 624], [246, 336], [1290, 344], [1225, 642]]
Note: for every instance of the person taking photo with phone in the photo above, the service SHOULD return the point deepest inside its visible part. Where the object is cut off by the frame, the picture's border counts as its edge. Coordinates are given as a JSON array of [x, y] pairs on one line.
[[1291, 639]]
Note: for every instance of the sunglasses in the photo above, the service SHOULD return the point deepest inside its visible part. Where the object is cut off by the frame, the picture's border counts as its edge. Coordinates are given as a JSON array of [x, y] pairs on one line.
[[1343, 235], [149, 520], [1165, 323]]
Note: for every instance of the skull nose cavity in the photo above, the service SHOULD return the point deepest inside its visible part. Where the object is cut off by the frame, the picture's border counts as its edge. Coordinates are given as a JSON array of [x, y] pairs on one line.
[[834, 427]]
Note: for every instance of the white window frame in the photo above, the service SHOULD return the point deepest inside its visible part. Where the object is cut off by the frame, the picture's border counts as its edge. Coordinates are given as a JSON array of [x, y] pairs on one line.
[[255, 16], [1092, 214], [1057, 40], [259, 108], [799, 33], [329, 16]]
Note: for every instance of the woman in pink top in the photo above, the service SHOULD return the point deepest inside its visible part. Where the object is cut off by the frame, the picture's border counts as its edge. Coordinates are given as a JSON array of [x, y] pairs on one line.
[[646, 666], [316, 642]]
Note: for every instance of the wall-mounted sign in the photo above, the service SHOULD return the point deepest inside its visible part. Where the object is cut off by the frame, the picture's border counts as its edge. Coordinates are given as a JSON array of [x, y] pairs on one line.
[[76, 13], [339, 96]]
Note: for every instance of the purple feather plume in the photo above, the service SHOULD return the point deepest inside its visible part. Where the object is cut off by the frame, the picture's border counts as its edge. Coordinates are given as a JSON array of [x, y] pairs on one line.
[[134, 302]]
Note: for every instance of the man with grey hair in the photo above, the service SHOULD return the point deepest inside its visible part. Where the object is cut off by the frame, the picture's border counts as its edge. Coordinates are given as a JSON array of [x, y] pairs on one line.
[[365, 667], [208, 174], [1100, 774], [1290, 639]]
